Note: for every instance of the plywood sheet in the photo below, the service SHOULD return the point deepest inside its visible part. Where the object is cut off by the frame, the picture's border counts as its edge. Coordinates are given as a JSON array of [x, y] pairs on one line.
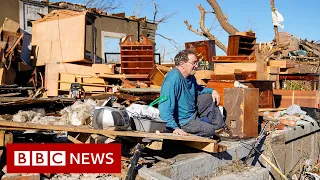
[[104, 68], [59, 40], [10, 25], [228, 68]]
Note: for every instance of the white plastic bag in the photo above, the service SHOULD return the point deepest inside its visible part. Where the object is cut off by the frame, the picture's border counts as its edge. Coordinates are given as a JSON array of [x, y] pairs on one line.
[[143, 110]]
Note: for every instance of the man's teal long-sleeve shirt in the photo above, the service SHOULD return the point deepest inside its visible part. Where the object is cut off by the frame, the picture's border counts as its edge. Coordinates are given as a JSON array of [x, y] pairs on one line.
[[180, 108]]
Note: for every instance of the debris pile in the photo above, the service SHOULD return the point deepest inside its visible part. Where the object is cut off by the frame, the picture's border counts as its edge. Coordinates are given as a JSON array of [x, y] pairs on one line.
[[76, 114]]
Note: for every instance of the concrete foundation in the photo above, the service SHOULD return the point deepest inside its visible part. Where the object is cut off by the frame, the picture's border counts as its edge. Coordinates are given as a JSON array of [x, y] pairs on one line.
[[292, 147], [286, 149], [255, 173]]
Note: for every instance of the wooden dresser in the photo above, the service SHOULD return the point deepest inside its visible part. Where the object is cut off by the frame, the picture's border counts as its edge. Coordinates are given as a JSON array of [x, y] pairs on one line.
[[137, 58]]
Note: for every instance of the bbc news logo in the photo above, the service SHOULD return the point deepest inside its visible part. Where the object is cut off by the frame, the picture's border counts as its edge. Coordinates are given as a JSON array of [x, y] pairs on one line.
[[64, 158]]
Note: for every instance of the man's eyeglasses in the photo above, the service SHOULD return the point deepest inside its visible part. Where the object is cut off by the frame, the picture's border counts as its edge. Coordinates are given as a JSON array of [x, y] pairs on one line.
[[195, 63]]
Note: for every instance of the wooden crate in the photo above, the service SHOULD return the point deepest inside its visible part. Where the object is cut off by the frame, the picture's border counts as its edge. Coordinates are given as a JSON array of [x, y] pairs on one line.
[[157, 74], [242, 106]]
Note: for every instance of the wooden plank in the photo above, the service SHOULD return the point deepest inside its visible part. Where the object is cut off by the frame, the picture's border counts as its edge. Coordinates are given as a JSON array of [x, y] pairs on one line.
[[94, 89], [207, 147], [74, 140], [67, 78], [155, 87], [228, 68], [85, 84], [318, 98], [282, 63], [273, 70], [219, 77], [104, 68], [234, 59], [87, 129], [11, 48], [10, 25], [156, 145], [2, 134], [261, 70], [111, 76], [86, 80]]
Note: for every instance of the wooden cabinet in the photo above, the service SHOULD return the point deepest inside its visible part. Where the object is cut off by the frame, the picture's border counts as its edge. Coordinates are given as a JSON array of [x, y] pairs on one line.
[[137, 58], [241, 45], [265, 90], [241, 106], [203, 49]]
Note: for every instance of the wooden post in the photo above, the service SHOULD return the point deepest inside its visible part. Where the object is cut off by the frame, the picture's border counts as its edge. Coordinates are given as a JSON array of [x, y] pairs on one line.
[[276, 32]]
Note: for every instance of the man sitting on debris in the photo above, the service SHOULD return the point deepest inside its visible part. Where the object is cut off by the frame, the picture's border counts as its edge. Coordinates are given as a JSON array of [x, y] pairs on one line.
[[190, 107]]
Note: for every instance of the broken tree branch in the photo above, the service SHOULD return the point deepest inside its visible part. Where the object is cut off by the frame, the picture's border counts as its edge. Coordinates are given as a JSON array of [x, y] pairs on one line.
[[155, 12], [276, 49], [174, 43], [193, 30], [206, 31], [222, 18]]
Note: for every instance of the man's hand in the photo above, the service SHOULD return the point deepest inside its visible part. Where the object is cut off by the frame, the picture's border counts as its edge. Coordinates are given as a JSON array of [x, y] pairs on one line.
[[180, 132], [216, 96]]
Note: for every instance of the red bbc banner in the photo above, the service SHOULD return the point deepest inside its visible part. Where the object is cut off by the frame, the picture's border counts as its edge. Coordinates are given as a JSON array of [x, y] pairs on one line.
[[64, 158]]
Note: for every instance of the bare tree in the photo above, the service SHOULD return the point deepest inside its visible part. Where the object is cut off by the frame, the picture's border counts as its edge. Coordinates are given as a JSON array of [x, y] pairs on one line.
[[104, 5], [224, 23]]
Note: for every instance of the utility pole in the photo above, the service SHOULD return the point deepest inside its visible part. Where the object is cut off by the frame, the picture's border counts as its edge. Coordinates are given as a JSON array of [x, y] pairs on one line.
[[276, 32]]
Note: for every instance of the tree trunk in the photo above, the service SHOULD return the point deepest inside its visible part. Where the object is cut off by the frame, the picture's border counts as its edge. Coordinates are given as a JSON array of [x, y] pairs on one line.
[[276, 31], [222, 18]]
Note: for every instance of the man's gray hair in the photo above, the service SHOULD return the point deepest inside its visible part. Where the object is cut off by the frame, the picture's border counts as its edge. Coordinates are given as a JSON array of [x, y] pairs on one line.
[[182, 56]]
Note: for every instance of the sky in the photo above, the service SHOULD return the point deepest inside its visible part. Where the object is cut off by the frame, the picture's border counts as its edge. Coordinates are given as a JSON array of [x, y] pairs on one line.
[[301, 19]]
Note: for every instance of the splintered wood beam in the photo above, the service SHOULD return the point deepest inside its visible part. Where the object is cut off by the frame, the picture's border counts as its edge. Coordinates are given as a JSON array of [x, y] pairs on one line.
[[85, 129], [207, 147]]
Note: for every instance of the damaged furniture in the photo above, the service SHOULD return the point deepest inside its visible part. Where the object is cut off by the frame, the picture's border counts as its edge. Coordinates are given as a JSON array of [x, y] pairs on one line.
[[242, 106], [137, 58]]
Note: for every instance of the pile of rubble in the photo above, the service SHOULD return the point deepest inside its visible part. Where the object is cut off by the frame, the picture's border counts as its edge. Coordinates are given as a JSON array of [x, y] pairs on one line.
[[305, 53]]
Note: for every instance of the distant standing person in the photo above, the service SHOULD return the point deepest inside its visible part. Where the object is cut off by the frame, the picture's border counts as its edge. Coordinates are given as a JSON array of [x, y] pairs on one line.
[[190, 107]]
